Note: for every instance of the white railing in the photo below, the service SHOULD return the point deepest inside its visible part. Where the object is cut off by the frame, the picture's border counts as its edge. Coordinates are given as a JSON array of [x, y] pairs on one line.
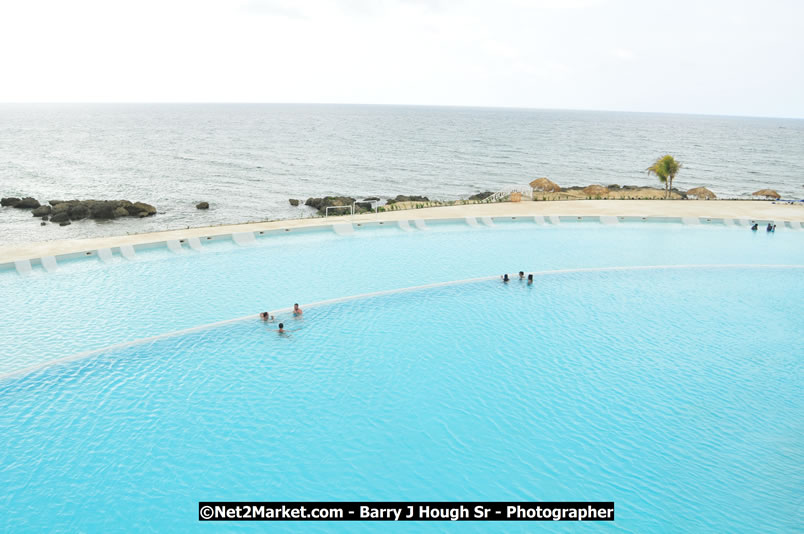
[[374, 204]]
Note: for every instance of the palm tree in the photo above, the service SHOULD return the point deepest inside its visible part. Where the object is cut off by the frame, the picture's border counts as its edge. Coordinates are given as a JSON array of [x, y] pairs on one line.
[[666, 169]]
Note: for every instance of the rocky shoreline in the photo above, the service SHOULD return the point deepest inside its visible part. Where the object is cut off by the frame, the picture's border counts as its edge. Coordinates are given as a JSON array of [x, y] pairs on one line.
[[63, 212], [365, 204], [614, 191]]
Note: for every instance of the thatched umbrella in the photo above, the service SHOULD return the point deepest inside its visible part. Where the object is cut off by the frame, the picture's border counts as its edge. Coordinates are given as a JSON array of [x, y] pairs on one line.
[[701, 193], [543, 184], [769, 193], [596, 190]]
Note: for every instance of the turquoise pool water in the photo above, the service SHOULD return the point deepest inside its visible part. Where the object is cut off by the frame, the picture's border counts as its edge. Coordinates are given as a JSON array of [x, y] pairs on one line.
[[675, 393], [88, 304]]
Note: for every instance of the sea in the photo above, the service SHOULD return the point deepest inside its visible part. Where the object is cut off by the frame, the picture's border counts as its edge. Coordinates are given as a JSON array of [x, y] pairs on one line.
[[248, 160]]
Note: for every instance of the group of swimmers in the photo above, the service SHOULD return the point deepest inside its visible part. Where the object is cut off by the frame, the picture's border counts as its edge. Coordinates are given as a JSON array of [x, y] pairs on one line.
[[771, 227], [506, 279], [268, 318]]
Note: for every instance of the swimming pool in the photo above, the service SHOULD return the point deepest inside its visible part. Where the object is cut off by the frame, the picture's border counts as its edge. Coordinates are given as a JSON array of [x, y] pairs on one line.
[[674, 391]]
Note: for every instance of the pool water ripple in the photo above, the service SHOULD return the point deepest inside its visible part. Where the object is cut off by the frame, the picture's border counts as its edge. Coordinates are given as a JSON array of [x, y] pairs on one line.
[[675, 393]]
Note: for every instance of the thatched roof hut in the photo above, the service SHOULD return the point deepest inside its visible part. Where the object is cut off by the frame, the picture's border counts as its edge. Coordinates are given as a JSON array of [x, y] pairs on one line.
[[767, 193], [701, 193], [543, 184], [596, 190]]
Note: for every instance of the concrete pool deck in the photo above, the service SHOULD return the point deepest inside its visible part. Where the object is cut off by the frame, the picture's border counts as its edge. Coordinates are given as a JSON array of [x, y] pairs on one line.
[[732, 209]]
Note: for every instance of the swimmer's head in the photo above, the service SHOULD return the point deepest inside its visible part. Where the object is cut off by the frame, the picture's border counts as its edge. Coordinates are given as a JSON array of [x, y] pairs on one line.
[[264, 316], [522, 274], [530, 277], [281, 326]]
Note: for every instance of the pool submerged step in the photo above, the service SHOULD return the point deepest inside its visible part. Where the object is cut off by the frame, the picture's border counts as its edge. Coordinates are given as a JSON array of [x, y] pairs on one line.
[[127, 251], [174, 246], [488, 221], [244, 238], [471, 221], [609, 219], [23, 267], [404, 225], [420, 224], [343, 228], [195, 244], [49, 263], [105, 254]]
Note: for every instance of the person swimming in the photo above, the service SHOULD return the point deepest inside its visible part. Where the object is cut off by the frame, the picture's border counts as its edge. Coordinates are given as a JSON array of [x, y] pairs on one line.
[[282, 330], [297, 312], [769, 228], [521, 275], [755, 227], [505, 278], [266, 317], [530, 279]]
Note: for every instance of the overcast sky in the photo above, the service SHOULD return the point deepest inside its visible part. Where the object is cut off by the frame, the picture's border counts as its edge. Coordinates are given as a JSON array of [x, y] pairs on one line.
[[696, 56]]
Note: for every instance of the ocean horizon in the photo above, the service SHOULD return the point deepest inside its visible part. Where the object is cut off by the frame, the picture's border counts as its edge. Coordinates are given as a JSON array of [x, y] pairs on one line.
[[247, 160]]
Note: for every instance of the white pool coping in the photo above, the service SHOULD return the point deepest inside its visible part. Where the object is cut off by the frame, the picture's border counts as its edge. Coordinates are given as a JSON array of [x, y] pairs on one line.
[[183, 241], [717, 211]]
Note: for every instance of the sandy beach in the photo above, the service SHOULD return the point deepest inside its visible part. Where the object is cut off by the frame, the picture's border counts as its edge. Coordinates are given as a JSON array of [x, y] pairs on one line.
[[734, 209]]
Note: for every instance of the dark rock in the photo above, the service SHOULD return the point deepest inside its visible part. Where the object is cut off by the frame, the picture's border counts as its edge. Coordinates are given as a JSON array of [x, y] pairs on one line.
[[613, 187], [362, 206], [64, 223], [42, 211], [62, 211], [60, 216], [293, 201], [45, 218], [129, 206], [202, 206], [101, 209], [481, 196], [27, 203], [142, 206], [9, 201], [43, 223], [78, 212], [372, 198], [321, 204]]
